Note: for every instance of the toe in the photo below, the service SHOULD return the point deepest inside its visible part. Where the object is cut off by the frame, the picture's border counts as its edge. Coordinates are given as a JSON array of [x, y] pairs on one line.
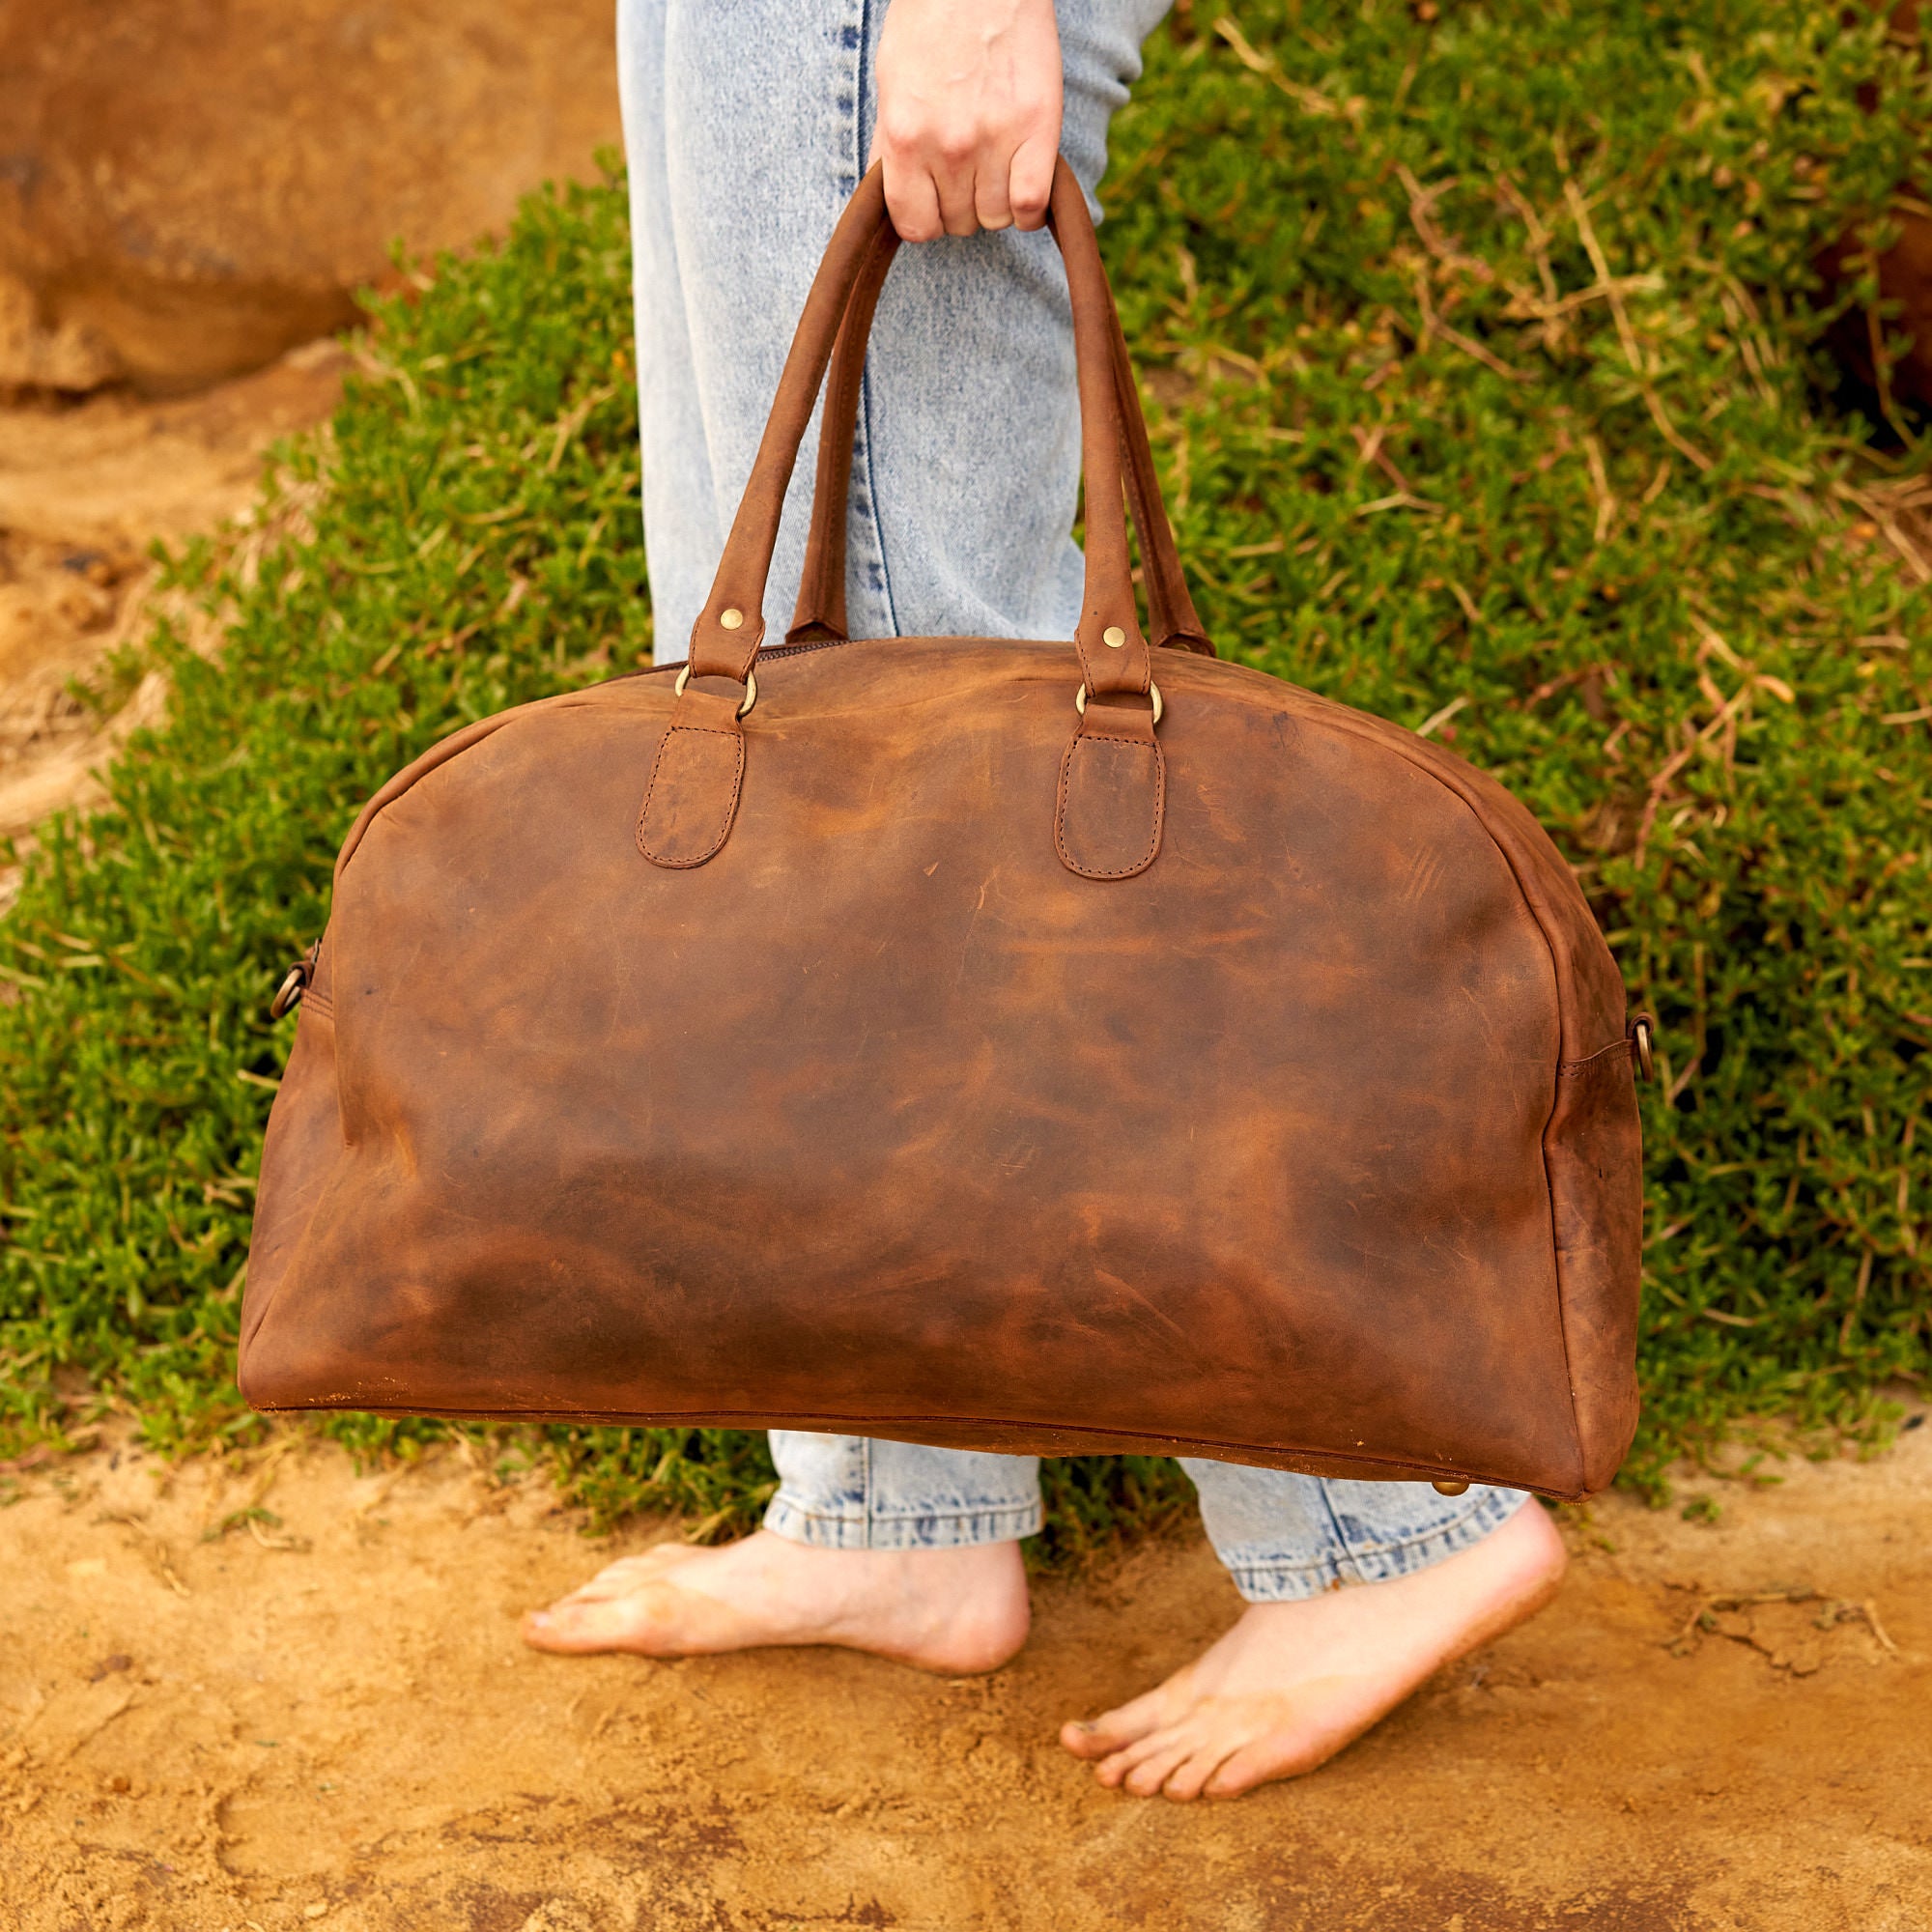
[[580, 1628], [601, 1587], [1115, 1730], [619, 1579], [1148, 1777], [543, 1629], [1121, 1767], [1191, 1776], [553, 1629], [1261, 1763]]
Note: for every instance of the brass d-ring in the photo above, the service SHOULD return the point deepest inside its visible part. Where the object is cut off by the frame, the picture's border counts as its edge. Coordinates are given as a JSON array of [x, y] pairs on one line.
[[1642, 1028], [289, 994], [1153, 692], [751, 689]]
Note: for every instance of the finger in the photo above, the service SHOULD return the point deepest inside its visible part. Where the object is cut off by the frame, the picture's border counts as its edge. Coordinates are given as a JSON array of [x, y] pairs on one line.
[[990, 203], [912, 200], [1029, 181], [957, 213]]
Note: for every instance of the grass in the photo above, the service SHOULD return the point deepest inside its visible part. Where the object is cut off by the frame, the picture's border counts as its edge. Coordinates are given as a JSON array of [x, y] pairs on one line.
[[1486, 371]]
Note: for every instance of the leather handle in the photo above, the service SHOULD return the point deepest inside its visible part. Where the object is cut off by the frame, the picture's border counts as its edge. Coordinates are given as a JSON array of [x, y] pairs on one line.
[[1169, 608], [725, 640], [819, 615]]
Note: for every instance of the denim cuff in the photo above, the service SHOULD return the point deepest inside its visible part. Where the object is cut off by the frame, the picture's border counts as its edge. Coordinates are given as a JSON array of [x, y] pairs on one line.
[[1377, 1562], [939, 1529]]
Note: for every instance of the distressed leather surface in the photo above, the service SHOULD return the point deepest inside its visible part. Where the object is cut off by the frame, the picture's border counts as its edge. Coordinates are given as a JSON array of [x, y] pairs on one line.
[[919, 1058], [1591, 1148], [884, 1120]]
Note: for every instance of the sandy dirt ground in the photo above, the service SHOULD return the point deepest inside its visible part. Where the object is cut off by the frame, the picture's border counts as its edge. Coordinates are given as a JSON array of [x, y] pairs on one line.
[[86, 486], [320, 1714]]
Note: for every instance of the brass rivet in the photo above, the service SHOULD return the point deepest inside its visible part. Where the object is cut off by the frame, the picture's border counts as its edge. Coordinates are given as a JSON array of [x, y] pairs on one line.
[[1448, 1488], [731, 618], [1113, 635]]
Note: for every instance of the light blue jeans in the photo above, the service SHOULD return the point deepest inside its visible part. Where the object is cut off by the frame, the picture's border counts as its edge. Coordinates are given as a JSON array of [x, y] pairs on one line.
[[748, 124]]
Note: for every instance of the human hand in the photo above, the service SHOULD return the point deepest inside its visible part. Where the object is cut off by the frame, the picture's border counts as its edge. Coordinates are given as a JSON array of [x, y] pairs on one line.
[[969, 114]]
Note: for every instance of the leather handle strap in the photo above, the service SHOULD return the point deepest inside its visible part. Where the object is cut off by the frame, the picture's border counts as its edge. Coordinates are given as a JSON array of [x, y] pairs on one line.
[[1169, 608], [1114, 655], [726, 639], [819, 615]]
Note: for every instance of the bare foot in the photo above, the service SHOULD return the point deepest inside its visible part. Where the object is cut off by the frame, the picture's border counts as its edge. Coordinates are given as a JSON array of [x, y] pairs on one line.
[[1291, 1684], [951, 1611]]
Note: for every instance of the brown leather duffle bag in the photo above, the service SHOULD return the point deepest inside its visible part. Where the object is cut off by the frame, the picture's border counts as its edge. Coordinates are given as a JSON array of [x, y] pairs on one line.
[[1016, 1045]]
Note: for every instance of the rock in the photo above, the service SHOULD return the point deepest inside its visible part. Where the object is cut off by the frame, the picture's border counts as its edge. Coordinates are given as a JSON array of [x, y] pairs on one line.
[[189, 189], [1904, 279], [69, 355]]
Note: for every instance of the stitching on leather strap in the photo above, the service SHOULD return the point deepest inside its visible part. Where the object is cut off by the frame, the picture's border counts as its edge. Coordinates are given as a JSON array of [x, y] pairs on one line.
[[1147, 858], [731, 801]]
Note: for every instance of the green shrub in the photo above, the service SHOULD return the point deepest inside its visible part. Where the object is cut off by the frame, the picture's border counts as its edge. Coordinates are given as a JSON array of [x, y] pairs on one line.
[[1489, 400]]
